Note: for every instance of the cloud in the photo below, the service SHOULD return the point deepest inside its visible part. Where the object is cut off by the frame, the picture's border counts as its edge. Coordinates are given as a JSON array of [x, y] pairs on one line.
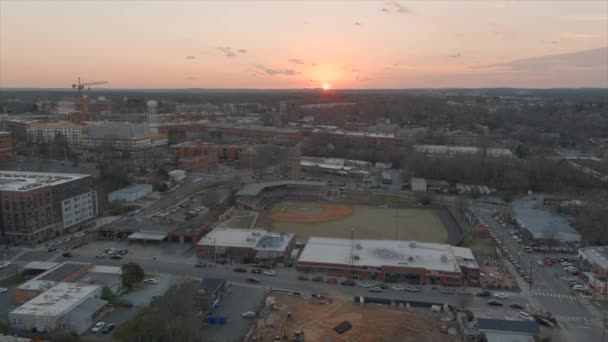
[[356, 23], [395, 7], [313, 64], [273, 72], [578, 35], [587, 59], [355, 70], [190, 57], [191, 78], [362, 78], [455, 55], [242, 51], [586, 18], [296, 61], [227, 51]]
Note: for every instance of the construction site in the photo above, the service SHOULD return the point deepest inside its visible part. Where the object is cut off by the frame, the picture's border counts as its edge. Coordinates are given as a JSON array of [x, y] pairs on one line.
[[325, 318]]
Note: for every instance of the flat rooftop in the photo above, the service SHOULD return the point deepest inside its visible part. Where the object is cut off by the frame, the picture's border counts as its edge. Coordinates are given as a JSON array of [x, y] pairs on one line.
[[232, 237], [378, 253], [25, 180], [541, 222], [596, 254], [132, 188], [255, 188], [57, 300]]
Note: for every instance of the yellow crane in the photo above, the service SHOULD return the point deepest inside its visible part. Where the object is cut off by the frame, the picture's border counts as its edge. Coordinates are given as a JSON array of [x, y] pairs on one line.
[[80, 87]]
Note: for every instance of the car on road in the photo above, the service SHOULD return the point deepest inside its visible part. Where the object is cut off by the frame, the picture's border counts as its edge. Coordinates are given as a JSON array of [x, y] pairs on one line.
[[66, 254], [540, 263], [382, 286], [152, 281], [123, 251], [256, 271], [253, 280], [303, 277], [116, 256], [501, 295], [525, 316], [248, 314], [548, 262], [447, 291], [365, 285], [101, 255], [348, 282], [494, 303], [331, 281], [317, 279], [200, 265], [375, 289], [108, 329], [318, 295], [579, 288], [3, 289], [240, 269], [516, 306], [98, 326], [4, 264], [52, 249], [398, 287], [270, 273], [413, 288], [484, 294]]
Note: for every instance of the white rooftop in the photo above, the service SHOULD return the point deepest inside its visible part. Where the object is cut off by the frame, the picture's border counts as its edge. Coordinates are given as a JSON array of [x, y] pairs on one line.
[[378, 253], [258, 239], [25, 180], [57, 300], [37, 285]]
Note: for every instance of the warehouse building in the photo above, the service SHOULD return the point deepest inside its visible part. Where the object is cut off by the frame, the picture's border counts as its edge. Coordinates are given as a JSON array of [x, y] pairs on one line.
[[246, 245], [390, 261], [130, 193], [69, 306], [37, 206], [542, 225]]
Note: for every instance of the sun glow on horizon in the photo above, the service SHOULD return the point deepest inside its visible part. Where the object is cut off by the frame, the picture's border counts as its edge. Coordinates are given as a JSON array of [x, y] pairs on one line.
[[326, 86]]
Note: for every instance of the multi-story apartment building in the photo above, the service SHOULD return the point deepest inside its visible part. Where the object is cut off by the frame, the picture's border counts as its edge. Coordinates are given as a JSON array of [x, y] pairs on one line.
[[6, 145], [37, 206], [48, 132], [196, 108]]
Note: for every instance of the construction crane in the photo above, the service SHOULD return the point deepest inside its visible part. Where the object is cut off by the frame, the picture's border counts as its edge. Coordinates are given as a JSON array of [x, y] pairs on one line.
[[80, 87]]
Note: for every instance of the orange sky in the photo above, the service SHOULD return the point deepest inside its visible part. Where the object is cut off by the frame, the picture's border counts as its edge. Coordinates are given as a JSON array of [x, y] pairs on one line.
[[349, 44]]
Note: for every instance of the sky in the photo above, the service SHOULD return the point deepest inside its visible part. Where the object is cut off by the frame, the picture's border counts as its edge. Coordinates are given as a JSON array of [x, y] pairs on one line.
[[292, 44]]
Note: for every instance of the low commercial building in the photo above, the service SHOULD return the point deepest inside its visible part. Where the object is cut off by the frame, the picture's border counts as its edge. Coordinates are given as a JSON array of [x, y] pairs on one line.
[[37, 206], [418, 184], [153, 230], [246, 245], [500, 330], [597, 258], [70, 306], [542, 225], [130, 193], [390, 261], [453, 151]]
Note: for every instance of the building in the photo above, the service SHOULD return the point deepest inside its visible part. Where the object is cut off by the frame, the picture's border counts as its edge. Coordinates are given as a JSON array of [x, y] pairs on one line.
[[410, 135], [210, 293], [123, 137], [246, 245], [156, 229], [390, 261], [287, 106], [418, 184], [70, 306], [16, 106], [358, 139], [196, 108], [50, 132], [596, 257], [37, 206], [242, 108], [453, 151], [501, 330], [196, 155], [130, 193], [152, 107], [542, 225], [7, 143]]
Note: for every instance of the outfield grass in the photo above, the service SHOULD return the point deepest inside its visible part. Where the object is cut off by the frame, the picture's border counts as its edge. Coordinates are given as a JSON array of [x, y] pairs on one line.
[[364, 197], [368, 222], [241, 220]]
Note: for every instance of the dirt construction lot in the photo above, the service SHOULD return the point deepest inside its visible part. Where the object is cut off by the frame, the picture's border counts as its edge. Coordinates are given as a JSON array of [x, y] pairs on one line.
[[370, 322], [325, 219]]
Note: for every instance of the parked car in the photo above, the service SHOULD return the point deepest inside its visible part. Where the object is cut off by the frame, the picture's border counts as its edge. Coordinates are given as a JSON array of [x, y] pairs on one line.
[[101, 255], [123, 251], [108, 329], [52, 249], [318, 295], [447, 291], [98, 326], [516, 306], [398, 287], [348, 282], [413, 288], [116, 256], [303, 277], [501, 295], [375, 289], [3, 289], [331, 281], [66, 255], [152, 281], [540, 263], [365, 285], [484, 294], [269, 273], [548, 262], [4, 264], [382, 286], [256, 271], [240, 269], [253, 280], [248, 314], [200, 265], [317, 279], [494, 303]]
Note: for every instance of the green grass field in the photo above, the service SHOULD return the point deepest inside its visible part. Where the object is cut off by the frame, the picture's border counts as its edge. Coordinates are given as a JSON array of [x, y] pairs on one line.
[[242, 220], [364, 197], [369, 222]]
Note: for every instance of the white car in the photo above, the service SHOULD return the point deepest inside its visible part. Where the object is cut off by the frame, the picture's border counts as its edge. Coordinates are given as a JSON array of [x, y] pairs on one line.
[[151, 281], [540, 263], [4, 264], [525, 315], [248, 314], [98, 326], [365, 285], [3, 289], [579, 287], [501, 295], [269, 273], [398, 287]]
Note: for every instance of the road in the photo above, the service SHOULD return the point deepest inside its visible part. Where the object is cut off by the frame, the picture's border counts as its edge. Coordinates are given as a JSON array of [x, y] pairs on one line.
[[576, 314]]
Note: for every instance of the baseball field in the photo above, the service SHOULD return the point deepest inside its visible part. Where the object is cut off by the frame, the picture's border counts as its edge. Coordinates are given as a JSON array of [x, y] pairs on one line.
[[329, 219]]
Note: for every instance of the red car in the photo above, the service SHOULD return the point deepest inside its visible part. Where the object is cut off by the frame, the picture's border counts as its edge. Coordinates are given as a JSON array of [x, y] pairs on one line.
[[253, 280], [332, 281], [548, 262]]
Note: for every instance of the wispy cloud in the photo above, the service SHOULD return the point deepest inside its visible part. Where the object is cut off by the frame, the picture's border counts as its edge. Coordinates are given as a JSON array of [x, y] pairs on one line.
[[356, 23], [586, 18], [455, 55], [553, 42], [190, 57], [273, 72], [395, 7], [242, 51], [578, 35], [362, 78], [227, 51], [296, 61], [355, 70], [191, 78], [313, 64]]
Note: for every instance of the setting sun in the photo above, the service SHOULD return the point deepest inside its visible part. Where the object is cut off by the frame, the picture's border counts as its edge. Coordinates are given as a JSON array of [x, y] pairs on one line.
[[326, 86]]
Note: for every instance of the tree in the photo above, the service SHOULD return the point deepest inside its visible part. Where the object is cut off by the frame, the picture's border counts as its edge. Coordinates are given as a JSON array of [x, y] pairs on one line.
[[132, 274], [107, 294]]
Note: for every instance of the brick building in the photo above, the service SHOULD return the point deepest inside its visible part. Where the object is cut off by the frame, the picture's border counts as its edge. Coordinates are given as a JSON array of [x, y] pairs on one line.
[[7, 143]]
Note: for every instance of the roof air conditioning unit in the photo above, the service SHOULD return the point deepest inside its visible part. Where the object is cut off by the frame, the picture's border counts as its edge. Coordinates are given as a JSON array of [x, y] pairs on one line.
[[444, 258], [355, 257], [412, 244]]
